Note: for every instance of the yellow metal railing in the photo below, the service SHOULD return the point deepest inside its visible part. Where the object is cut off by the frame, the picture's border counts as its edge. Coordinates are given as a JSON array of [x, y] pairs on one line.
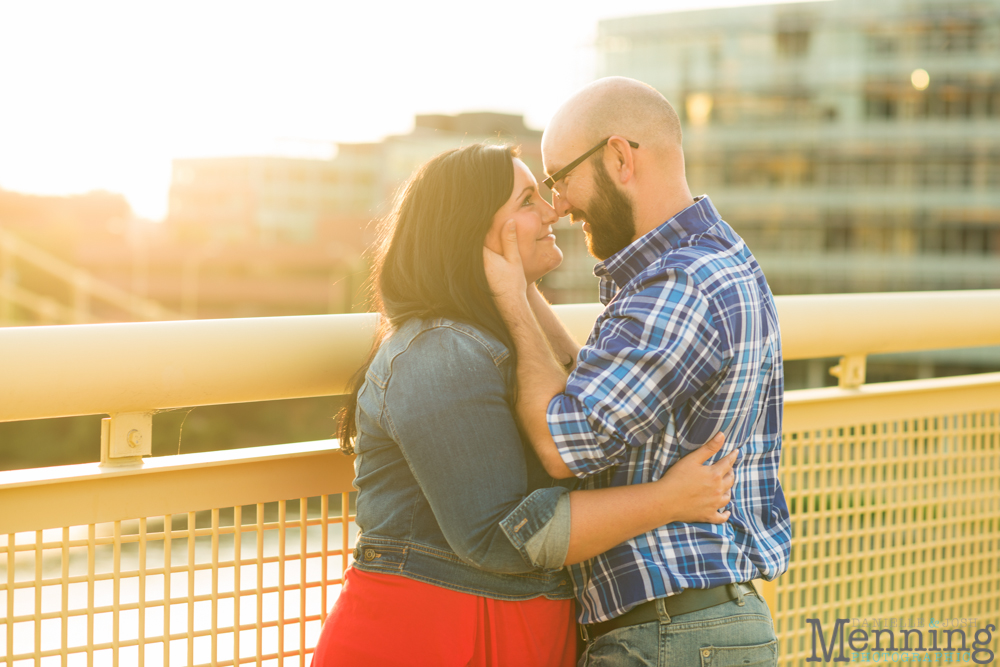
[[894, 494], [224, 558], [233, 558]]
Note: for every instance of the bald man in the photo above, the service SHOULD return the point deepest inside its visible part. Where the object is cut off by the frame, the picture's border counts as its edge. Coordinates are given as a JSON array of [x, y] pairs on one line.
[[687, 347]]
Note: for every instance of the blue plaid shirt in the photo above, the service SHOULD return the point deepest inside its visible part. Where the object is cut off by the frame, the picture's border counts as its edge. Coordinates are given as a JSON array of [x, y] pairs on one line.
[[687, 346]]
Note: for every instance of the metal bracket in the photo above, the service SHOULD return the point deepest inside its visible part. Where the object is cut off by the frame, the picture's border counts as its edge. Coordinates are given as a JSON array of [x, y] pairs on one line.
[[850, 372], [126, 437]]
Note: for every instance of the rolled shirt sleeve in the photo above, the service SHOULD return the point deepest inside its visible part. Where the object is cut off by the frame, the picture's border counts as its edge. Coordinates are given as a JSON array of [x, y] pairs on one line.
[[652, 351]]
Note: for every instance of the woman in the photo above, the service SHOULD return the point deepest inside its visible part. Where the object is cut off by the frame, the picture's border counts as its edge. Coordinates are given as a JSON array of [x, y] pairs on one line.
[[464, 535]]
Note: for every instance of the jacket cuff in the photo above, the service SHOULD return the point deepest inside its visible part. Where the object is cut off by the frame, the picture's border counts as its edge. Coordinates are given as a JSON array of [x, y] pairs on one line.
[[539, 528]]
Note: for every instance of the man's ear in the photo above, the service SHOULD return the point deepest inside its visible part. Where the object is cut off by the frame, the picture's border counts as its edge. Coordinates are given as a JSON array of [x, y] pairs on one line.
[[624, 159]]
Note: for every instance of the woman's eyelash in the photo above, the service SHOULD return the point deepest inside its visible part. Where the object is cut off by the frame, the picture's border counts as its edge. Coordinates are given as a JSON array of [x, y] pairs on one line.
[[527, 200]]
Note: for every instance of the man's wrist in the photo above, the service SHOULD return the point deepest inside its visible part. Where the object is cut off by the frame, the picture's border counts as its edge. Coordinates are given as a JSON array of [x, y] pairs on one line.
[[514, 308]]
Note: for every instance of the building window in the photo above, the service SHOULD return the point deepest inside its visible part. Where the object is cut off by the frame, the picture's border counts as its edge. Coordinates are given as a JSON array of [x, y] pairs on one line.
[[792, 43], [960, 97], [882, 45], [959, 238]]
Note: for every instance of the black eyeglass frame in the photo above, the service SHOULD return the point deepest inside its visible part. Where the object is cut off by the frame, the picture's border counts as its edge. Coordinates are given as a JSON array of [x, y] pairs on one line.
[[561, 174]]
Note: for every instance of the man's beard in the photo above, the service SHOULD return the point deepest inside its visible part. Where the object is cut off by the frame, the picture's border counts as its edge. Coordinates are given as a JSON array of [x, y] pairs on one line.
[[609, 215]]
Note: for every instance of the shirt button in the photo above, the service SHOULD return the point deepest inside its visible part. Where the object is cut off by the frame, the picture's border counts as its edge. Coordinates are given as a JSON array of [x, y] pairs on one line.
[[369, 554], [706, 653]]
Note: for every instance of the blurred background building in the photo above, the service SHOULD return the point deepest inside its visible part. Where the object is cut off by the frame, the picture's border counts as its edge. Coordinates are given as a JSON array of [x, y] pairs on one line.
[[269, 200], [244, 236], [855, 145]]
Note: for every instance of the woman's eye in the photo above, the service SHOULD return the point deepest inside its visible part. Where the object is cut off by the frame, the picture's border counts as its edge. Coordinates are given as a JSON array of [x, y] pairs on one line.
[[527, 201]]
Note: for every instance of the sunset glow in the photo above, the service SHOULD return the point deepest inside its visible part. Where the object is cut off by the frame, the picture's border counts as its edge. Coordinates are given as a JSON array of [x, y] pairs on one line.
[[102, 95]]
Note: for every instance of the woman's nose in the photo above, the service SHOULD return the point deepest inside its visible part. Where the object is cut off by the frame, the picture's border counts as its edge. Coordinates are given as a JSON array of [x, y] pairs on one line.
[[549, 214]]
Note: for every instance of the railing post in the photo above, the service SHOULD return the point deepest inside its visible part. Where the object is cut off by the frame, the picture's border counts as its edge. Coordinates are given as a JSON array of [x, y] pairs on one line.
[[126, 437], [850, 372]]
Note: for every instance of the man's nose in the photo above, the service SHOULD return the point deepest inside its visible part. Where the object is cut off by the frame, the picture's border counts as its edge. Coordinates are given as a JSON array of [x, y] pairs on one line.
[[560, 204]]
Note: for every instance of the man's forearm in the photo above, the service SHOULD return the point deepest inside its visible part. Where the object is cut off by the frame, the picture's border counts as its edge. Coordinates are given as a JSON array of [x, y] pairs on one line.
[[539, 379], [562, 344]]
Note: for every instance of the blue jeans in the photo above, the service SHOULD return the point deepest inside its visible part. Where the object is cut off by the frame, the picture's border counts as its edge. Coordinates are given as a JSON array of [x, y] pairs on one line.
[[738, 632]]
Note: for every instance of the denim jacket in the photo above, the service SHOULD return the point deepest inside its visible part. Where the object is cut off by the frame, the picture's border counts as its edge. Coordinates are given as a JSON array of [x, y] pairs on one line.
[[447, 491]]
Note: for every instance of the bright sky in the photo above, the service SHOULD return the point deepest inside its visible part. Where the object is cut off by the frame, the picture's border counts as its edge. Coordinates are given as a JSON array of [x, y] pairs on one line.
[[103, 94]]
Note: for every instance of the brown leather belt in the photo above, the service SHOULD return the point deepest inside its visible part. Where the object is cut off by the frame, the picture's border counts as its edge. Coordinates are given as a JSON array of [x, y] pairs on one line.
[[685, 602]]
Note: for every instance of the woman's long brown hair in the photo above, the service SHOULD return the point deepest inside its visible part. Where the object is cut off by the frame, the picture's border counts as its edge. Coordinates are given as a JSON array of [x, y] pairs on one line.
[[428, 262]]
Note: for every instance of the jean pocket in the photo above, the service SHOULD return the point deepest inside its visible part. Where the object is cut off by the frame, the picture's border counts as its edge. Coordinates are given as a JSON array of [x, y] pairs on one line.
[[630, 645], [740, 656]]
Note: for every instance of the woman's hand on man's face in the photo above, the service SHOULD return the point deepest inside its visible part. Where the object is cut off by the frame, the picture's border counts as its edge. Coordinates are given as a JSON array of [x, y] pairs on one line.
[[504, 271]]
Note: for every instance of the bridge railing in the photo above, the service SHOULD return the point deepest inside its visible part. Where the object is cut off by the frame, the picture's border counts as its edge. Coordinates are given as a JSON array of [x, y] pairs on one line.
[[231, 558], [84, 288]]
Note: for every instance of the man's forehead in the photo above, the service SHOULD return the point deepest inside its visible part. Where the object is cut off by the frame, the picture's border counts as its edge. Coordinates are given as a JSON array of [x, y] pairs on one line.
[[558, 146]]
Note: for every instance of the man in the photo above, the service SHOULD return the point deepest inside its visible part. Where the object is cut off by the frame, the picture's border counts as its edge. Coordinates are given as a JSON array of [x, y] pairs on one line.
[[687, 347]]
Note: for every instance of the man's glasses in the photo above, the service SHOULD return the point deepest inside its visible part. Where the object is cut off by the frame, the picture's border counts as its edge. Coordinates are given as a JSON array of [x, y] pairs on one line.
[[561, 174]]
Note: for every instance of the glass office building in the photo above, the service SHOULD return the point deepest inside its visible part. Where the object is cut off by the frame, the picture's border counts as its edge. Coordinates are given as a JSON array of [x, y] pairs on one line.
[[854, 144]]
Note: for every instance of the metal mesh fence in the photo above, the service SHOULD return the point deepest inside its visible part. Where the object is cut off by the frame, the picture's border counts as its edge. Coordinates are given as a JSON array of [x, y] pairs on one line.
[[896, 525], [227, 586]]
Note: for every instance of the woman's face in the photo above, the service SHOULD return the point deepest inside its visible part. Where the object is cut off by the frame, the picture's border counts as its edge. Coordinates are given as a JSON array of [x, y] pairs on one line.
[[534, 219]]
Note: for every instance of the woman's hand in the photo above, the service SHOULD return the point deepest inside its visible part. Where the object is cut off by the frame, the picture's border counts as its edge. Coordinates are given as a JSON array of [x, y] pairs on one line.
[[699, 491], [505, 273]]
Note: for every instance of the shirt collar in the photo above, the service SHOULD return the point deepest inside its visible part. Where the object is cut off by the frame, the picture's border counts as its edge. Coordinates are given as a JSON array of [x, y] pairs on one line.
[[628, 262]]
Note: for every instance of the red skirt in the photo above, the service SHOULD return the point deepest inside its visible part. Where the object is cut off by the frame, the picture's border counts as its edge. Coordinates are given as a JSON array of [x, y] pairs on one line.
[[386, 620]]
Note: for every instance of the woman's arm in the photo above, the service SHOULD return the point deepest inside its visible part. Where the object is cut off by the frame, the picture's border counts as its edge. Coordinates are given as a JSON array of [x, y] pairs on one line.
[[689, 491], [446, 408]]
